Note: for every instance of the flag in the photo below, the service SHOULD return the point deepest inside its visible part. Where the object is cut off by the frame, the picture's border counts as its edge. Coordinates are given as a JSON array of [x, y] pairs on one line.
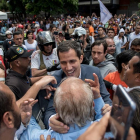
[[105, 15]]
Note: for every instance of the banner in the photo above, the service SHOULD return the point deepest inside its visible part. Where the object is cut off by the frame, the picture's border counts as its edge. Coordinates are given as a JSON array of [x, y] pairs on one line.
[[105, 15]]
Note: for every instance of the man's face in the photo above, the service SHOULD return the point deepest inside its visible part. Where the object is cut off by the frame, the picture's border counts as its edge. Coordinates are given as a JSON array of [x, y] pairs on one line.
[[24, 62], [137, 30], [33, 29], [100, 31], [53, 29], [135, 48], [70, 63], [129, 76], [78, 24], [18, 39], [61, 37], [110, 46], [9, 36], [110, 34], [48, 48], [98, 54]]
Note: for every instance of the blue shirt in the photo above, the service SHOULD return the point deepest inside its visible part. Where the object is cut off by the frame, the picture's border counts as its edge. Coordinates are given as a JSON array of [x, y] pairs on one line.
[[34, 131]]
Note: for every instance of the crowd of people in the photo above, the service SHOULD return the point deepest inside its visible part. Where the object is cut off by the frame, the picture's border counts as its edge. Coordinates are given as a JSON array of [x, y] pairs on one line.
[[65, 71]]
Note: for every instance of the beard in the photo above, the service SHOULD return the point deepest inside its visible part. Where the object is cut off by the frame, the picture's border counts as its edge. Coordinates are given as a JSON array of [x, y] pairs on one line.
[[17, 119]]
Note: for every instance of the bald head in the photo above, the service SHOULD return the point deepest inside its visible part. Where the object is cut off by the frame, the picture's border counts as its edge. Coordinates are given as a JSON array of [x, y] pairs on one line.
[[71, 100], [110, 46]]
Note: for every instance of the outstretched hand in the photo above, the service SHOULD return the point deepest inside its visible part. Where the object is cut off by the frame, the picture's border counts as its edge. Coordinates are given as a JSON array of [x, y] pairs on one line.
[[95, 86], [26, 110]]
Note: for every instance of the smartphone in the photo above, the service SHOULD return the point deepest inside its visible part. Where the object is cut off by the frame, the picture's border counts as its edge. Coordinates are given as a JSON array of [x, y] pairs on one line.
[[123, 109], [55, 33]]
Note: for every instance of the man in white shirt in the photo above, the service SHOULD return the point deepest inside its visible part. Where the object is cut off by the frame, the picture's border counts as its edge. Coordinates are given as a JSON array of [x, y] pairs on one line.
[[55, 22], [134, 35], [45, 61]]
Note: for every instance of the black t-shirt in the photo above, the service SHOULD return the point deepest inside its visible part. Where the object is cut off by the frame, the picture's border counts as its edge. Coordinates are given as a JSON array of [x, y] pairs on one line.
[[19, 84], [98, 38], [7, 44]]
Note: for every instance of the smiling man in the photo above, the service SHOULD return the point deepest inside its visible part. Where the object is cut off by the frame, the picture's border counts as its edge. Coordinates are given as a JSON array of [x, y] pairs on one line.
[[69, 54]]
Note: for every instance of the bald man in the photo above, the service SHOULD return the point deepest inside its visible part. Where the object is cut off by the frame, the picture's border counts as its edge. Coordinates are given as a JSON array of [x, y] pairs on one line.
[[71, 103]]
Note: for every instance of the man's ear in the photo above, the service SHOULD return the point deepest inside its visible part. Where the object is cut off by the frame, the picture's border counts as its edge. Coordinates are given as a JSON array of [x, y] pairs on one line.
[[8, 119], [17, 62], [81, 58], [123, 65], [137, 77], [105, 52]]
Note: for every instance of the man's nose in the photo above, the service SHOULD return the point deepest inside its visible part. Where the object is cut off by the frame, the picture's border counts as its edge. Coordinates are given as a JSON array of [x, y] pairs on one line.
[[96, 55], [68, 66]]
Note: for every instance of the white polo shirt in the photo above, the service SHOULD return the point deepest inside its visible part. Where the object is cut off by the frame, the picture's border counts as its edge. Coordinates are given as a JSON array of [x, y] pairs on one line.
[[132, 36], [48, 60]]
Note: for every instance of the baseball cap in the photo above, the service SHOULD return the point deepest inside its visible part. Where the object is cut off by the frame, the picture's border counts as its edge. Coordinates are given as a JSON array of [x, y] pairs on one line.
[[15, 52], [61, 32]]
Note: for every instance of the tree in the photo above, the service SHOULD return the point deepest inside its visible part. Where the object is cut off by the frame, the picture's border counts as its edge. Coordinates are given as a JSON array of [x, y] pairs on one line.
[[4, 6], [51, 6], [17, 7]]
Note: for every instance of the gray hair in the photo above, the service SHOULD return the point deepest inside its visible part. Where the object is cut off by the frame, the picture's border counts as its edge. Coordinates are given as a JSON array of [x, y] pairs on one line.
[[74, 103]]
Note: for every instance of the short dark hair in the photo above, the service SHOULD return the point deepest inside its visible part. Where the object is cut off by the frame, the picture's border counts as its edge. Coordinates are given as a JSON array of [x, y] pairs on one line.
[[111, 30], [101, 27], [136, 66], [52, 26], [5, 104], [98, 43], [124, 57], [28, 32], [135, 42], [89, 22], [65, 46], [17, 33]]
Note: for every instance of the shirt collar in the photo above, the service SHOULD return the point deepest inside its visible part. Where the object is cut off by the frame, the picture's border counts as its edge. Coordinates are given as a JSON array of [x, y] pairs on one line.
[[80, 74], [16, 73], [130, 89], [74, 128]]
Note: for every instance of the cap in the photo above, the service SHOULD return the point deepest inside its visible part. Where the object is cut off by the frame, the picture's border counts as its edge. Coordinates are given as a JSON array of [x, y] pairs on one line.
[[15, 52], [79, 31], [61, 32], [33, 27], [36, 25], [39, 30], [20, 26], [8, 33]]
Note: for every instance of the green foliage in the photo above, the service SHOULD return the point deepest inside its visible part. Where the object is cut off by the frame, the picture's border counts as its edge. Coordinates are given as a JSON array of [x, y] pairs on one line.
[[51, 6], [36, 6], [4, 5]]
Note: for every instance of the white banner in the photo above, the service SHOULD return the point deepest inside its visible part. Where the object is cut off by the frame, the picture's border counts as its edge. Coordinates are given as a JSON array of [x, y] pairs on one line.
[[105, 15]]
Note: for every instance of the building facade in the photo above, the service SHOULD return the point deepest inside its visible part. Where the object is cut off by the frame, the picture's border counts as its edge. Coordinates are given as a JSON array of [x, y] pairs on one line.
[[86, 7]]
